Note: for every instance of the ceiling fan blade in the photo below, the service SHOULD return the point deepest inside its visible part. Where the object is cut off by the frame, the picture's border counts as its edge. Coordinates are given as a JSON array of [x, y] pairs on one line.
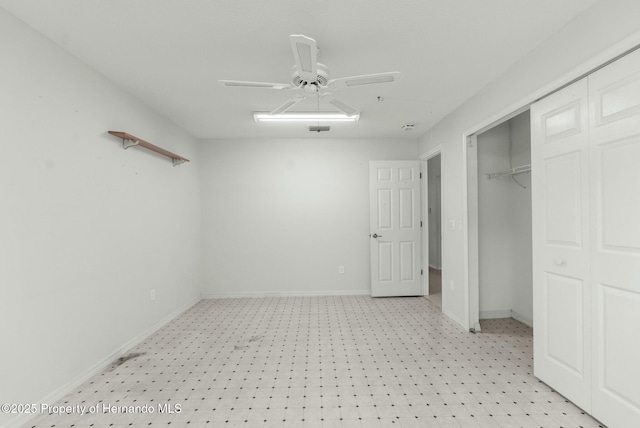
[[288, 104], [367, 79], [340, 105], [305, 53], [245, 84]]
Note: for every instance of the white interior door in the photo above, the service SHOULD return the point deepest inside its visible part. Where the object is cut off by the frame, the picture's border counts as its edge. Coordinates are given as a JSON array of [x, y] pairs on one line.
[[394, 192], [614, 97], [560, 223]]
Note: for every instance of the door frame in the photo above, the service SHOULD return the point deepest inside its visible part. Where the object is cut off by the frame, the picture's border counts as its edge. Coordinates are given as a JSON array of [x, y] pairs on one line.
[[471, 228], [424, 191], [470, 272]]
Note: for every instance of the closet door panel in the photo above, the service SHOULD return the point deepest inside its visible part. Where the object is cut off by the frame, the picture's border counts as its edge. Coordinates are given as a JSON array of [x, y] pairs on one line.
[[619, 216], [614, 94], [563, 222], [560, 222], [564, 322]]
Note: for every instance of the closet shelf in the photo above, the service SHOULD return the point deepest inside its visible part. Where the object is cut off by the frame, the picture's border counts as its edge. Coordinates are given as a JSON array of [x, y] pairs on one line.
[[512, 171], [129, 140]]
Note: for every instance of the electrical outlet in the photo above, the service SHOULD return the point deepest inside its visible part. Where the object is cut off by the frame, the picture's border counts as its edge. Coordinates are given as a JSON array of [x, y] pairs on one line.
[[153, 294], [341, 269], [452, 224]]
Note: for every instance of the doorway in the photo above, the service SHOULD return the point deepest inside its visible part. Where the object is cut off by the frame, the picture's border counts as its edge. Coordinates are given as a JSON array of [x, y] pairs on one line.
[[434, 223], [499, 160]]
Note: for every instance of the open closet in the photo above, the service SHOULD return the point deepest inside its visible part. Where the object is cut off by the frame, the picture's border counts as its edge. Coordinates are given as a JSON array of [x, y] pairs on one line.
[[554, 237], [504, 220]]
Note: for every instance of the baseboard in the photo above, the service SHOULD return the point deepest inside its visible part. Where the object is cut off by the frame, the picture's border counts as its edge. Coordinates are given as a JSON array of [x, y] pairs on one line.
[[97, 368], [509, 313], [489, 315], [286, 294], [522, 318], [455, 319]]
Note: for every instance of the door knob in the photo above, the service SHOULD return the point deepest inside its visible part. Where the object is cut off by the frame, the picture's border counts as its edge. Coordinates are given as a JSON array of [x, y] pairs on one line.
[[559, 262], [375, 235]]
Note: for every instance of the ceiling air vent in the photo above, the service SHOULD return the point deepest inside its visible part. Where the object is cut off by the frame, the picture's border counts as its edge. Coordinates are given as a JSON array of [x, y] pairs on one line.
[[323, 128], [408, 127]]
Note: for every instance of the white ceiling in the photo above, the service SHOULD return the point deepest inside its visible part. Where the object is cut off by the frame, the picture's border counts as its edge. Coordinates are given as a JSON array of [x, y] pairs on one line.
[[170, 54]]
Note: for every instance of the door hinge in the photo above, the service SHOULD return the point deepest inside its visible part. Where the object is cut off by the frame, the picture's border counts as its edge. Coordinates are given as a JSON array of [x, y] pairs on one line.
[[420, 175], [421, 272], [420, 223]]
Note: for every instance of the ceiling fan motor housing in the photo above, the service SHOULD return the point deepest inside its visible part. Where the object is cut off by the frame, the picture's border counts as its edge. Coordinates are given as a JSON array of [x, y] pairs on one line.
[[321, 80]]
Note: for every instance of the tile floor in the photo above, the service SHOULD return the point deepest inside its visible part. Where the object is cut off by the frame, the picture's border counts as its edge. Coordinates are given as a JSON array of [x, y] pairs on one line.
[[343, 361], [435, 287], [436, 299], [435, 281]]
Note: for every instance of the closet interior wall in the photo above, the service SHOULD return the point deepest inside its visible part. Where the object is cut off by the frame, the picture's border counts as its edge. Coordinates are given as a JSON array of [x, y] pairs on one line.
[[504, 222]]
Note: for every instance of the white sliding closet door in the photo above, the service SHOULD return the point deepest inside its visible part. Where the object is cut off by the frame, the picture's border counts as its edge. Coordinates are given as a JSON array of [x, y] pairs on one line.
[[614, 98], [560, 223], [585, 158]]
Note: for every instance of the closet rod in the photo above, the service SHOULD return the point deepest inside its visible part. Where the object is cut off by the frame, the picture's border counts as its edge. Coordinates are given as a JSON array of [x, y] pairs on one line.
[[512, 171]]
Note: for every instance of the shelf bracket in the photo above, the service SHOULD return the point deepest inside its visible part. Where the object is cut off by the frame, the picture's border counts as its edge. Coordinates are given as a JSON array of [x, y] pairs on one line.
[[126, 143]]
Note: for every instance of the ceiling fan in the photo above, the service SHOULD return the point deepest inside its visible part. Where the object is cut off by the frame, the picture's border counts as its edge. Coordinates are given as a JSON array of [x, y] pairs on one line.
[[311, 78]]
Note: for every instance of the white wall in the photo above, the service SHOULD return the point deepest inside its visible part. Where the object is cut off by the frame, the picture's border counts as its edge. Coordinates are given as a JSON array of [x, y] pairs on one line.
[[86, 228], [578, 46], [504, 220], [280, 216]]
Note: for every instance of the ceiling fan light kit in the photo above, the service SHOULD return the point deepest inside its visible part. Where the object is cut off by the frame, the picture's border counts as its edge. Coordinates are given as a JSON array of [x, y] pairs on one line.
[[310, 79], [305, 117]]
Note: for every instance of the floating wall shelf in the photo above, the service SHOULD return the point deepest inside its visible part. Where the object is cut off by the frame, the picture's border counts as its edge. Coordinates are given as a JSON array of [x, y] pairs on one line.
[[129, 140]]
